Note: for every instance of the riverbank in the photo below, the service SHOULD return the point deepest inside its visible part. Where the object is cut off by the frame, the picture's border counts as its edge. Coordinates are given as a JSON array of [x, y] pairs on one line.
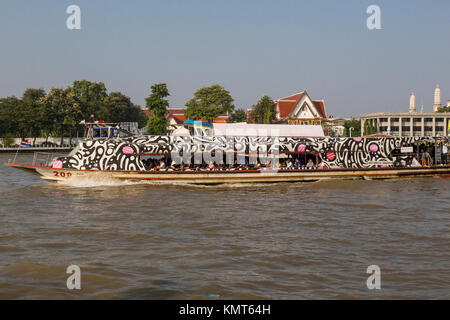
[[36, 149]]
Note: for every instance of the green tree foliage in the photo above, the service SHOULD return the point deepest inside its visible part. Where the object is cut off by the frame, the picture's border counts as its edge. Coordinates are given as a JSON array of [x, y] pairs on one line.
[[61, 110], [208, 103], [370, 127], [39, 114], [91, 99], [121, 109], [8, 140], [11, 114], [157, 105], [355, 124], [264, 111], [238, 116], [32, 116], [443, 109]]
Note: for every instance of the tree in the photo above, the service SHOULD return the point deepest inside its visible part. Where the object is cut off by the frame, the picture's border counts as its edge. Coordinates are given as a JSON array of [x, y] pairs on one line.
[[121, 109], [8, 140], [238, 116], [157, 105], [32, 117], [11, 113], [208, 103], [370, 127], [61, 109], [355, 124], [91, 99], [264, 111], [443, 109]]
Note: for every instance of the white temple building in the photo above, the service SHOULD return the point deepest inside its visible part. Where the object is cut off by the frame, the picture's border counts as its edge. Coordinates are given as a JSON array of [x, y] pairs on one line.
[[412, 123]]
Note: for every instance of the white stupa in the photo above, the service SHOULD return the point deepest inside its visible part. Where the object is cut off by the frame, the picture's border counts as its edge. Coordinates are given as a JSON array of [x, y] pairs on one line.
[[412, 103], [437, 98]]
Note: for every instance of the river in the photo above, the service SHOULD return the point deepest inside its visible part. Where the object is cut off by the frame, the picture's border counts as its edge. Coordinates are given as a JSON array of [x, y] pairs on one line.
[[269, 241]]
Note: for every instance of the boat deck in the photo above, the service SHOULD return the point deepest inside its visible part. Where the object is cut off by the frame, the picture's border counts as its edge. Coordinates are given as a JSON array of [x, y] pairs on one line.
[[241, 176]]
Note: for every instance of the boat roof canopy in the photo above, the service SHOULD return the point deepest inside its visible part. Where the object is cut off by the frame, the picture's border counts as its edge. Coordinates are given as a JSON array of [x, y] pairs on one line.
[[197, 123], [264, 130]]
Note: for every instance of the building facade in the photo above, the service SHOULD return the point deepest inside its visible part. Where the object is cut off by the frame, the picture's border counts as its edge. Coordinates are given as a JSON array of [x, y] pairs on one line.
[[300, 109], [412, 123]]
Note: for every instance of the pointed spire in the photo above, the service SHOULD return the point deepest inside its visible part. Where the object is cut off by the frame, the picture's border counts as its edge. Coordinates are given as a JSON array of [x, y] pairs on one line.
[[412, 103], [437, 98]]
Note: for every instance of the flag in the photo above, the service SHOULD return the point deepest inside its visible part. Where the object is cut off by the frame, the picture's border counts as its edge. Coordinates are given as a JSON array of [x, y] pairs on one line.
[[25, 144]]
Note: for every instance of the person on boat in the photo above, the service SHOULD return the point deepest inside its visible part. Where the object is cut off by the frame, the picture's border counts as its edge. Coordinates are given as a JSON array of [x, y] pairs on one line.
[[321, 165], [211, 166], [162, 165], [414, 162], [298, 164], [257, 165], [289, 164], [444, 152], [310, 164], [280, 164]]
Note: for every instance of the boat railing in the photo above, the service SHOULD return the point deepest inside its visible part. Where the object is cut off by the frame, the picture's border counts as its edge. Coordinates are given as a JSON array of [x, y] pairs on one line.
[[42, 159]]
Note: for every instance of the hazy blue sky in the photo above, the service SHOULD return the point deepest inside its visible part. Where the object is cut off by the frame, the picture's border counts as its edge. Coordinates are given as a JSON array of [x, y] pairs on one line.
[[251, 47]]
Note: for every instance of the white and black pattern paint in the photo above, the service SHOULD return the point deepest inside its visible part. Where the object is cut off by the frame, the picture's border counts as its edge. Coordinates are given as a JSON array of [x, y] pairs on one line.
[[110, 154]]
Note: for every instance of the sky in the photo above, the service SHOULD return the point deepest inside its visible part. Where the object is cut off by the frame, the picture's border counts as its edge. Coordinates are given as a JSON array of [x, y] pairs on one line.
[[250, 47]]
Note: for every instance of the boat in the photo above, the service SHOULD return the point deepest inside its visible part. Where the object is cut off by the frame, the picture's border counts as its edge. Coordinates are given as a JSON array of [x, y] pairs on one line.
[[205, 158]]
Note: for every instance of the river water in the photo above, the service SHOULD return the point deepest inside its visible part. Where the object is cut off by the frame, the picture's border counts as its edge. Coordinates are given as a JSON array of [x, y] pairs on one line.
[[270, 241]]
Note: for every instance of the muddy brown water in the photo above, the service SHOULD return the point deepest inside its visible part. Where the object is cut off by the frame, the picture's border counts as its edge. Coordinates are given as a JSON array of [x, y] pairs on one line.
[[269, 241]]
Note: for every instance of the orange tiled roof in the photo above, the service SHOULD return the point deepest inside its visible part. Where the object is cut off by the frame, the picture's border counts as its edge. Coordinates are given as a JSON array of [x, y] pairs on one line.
[[320, 106], [287, 104]]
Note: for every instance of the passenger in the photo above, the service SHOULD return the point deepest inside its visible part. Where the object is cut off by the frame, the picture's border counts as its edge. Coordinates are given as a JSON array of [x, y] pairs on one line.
[[211, 166], [415, 163], [298, 164], [310, 164], [289, 164], [162, 165], [321, 165], [257, 165], [148, 164], [444, 153]]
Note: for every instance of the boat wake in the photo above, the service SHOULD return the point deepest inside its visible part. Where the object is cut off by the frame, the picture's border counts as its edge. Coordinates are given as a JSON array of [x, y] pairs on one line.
[[95, 181], [90, 182]]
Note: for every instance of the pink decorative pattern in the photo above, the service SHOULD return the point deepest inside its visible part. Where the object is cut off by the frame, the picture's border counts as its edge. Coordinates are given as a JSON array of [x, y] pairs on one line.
[[301, 148], [373, 147], [57, 164], [127, 150], [357, 139]]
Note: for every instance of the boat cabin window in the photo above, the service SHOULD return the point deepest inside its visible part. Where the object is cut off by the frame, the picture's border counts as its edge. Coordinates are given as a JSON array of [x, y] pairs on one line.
[[105, 132]]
